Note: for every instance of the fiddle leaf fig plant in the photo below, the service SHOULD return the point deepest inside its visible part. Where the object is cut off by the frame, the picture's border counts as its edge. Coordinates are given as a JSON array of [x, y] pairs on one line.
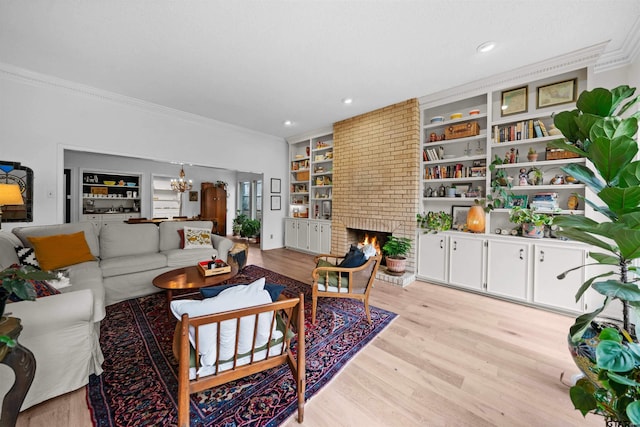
[[603, 130]]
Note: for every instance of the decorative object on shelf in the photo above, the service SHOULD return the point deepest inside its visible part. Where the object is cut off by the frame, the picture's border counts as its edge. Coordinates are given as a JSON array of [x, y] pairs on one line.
[[474, 112], [437, 119], [455, 116], [462, 130], [531, 222], [596, 130], [476, 219], [557, 180], [532, 155], [572, 202], [570, 180], [535, 176], [514, 101], [459, 217], [10, 194], [275, 185], [523, 177], [434, 221], [547, 202], [395, 250], [181, 184], [557, 93], [517, 200]]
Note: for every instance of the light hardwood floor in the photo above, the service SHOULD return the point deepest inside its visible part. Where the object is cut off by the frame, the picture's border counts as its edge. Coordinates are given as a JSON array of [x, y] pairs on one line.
[[451, 358]]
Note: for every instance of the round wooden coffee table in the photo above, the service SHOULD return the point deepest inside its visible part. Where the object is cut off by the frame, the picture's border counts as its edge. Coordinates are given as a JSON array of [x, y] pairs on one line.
[[189, 278]]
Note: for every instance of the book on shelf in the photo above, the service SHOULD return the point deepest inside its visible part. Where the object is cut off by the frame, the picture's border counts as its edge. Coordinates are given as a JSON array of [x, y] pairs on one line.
[[525, 129]]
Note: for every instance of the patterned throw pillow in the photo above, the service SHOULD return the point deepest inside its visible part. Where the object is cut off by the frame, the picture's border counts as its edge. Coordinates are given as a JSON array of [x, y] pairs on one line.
[[197, 238], [27, 256]]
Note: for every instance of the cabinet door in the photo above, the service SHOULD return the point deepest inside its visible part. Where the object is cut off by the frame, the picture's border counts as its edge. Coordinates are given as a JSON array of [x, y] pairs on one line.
[[325, 238], [291, 233], [432, 256], [467, 258], [314, 236], [303, 235], [547, 288], [508, 268]]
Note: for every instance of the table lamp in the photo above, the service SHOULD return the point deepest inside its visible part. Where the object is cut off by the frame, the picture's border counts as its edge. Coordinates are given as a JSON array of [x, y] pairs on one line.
[[9, 195]]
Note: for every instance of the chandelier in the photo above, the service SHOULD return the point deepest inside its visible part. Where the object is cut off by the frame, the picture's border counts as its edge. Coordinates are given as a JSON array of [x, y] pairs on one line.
[[181, 185]]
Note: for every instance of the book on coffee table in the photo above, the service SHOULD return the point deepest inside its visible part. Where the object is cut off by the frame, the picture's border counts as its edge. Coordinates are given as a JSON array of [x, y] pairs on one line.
[[211, 268]]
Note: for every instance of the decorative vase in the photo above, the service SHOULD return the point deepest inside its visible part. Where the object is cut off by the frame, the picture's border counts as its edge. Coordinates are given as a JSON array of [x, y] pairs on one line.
[[532, 230], [396, 266], [532, 157], [476, 219]]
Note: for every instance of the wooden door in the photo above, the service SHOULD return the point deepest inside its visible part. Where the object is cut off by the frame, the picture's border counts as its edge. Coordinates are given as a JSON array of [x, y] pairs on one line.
[[213, 206]]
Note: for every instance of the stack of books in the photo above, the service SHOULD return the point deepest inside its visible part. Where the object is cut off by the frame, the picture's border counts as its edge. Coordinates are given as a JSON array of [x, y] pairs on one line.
[[545, 202]]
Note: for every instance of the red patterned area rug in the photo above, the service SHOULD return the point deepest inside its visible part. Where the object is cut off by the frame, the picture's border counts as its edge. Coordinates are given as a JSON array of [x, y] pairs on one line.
[[139, 386]]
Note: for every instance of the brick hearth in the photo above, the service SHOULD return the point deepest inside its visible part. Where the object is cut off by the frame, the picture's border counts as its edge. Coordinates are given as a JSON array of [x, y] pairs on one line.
[[376, 174]]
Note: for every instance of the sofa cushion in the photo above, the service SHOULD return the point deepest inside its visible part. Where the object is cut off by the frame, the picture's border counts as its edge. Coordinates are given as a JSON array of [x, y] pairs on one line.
[[169, 237], [132, 264], [196, 238], [90, 233], [118, 240], [27, 256], [182, 257], [61, 250]]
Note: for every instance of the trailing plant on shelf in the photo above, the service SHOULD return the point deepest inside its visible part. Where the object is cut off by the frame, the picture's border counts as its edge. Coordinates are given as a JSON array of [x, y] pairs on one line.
[[434, 221], [500, 183], [520, 215], [597, 130]]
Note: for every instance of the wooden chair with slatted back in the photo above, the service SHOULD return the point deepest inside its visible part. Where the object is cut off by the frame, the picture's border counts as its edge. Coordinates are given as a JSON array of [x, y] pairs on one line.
[[355, 283], [290, 311]]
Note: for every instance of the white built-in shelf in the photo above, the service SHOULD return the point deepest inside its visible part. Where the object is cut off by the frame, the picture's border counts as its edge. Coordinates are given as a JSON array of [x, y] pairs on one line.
[[556, 212], [451, 199], [456, 159], [454, 121], [541, 163], [481, 135], [548, 187], [461, 180], [526, 141]]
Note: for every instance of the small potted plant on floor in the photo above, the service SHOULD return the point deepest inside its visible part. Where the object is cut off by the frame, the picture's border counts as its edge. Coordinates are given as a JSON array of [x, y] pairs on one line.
[[395, 250], [238, 221], [531, 221], [251, 228]]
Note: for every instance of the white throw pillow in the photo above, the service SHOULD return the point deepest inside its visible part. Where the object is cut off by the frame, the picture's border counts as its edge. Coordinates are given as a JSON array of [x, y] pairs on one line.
[[197, 238], [60, 282], [235, 297]]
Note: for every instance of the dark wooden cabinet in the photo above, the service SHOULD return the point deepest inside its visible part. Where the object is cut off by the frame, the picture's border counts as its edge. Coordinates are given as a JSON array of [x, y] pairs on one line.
[[213, 206]]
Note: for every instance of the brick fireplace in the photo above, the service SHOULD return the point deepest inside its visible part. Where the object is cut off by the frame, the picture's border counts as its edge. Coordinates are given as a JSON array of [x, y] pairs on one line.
[[376, 174]]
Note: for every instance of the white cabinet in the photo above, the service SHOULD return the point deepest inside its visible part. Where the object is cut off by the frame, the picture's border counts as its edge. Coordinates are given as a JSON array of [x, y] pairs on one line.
[[508, 268], [466, 261], [432, 256], [291, 233], [549, 262], [107, 193], [166, 201], [320, 236], [297, 234]]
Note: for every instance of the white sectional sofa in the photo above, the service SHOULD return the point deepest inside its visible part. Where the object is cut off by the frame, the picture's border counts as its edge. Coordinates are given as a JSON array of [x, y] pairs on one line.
[[63, 330]]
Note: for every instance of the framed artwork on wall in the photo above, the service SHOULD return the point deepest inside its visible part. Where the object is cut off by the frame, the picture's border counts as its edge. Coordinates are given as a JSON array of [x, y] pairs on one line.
[[193, 196], [557, 93], [514, 101], [275, 203], [275, 185]]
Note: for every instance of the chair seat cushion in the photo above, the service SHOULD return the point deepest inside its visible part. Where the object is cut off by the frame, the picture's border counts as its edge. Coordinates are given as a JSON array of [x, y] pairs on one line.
[[333, 279]]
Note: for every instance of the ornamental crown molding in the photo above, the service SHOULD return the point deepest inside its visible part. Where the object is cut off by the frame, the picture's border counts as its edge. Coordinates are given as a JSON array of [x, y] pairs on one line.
[[32, 78], [560, 64], [627, 54]]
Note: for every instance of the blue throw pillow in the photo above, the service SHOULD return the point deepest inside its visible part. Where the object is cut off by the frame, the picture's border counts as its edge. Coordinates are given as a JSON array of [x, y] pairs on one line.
[[354, 258], [273, 289]]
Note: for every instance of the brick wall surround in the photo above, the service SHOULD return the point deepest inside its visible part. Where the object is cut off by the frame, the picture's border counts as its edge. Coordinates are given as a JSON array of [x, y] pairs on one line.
[[376, 173]]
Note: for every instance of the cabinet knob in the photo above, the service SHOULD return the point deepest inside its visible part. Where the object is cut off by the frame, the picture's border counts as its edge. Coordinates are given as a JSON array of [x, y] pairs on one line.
[[441, 244], [521, 253], [455, 245], [541, 256]]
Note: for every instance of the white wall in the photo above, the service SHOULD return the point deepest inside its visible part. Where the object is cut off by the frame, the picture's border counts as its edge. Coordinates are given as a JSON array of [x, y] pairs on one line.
[[41, 117]]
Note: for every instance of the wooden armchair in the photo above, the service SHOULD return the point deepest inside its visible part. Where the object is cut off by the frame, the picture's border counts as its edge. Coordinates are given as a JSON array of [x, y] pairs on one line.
[[343, 282], [285, 314]]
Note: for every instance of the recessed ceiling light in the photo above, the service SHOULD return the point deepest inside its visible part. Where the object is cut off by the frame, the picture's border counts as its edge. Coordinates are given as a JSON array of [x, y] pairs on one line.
[[486, 47], [288, 123], [347, 101]]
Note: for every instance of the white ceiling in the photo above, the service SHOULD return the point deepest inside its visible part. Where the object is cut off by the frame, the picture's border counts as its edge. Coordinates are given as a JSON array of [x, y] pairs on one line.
[[256, 64]]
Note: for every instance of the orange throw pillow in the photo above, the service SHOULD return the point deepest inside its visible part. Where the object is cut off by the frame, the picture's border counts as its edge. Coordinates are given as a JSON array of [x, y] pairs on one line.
[[61, 250]]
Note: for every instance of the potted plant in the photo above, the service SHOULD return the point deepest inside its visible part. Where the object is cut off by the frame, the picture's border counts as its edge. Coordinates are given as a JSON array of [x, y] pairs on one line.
[[238, 221], [500, 183], [395, 249], [251, 228], [17, 281], [531, 221], [596, 130], [537, 178], [532, 155]]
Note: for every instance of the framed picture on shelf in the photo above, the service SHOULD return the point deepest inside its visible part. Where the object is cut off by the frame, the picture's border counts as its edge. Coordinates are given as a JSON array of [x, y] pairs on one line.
[[557, 93], [514, 101], [275, 185], [517, 200], [459, 216], [276, 203]]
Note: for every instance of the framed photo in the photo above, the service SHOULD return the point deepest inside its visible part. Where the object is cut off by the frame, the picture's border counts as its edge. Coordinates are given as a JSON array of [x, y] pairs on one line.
[[557, 93], [275, 203], [517, 200], [514, 101], [459, 216], [275, 185], [193, 196]]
